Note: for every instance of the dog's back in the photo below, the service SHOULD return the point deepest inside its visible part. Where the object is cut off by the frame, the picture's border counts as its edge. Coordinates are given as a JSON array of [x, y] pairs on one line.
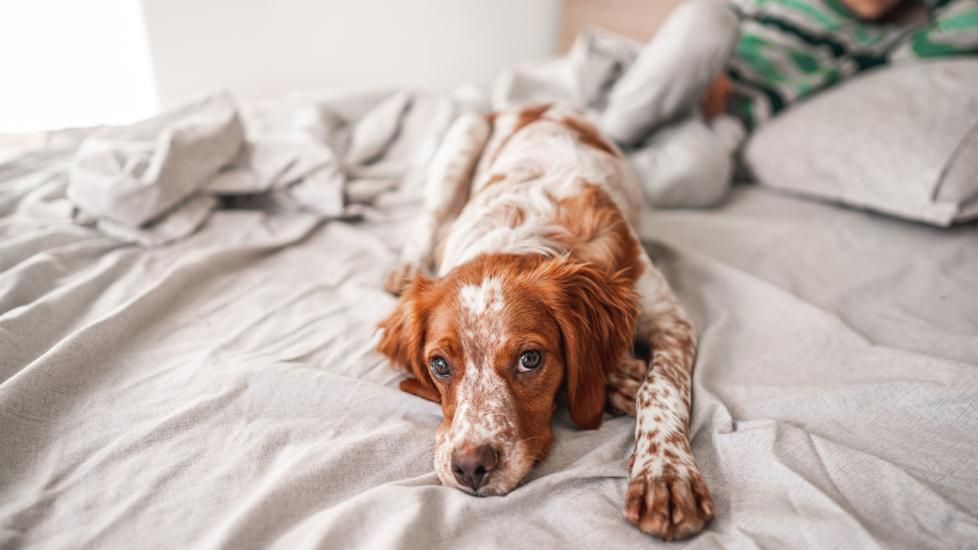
[[546, 182]]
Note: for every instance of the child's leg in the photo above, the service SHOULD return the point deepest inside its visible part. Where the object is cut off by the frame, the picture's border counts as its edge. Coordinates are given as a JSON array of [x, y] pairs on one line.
[[689, 163], [673, 71]]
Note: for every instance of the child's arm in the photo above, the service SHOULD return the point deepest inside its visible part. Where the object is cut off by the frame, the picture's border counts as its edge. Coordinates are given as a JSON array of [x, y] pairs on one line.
[[952, 31]]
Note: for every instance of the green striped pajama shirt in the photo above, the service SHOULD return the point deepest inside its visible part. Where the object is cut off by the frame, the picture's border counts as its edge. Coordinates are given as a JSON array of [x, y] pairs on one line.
[[789, 49]]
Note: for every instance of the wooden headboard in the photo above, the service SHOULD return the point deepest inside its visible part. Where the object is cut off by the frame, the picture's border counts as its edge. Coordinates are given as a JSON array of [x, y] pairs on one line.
[[636, 19]]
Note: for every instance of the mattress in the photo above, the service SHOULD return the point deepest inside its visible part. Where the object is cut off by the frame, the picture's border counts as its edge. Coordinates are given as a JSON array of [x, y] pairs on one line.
[[223, 390]]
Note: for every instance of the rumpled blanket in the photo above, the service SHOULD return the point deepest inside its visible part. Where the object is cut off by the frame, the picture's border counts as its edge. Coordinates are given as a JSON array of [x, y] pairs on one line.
[[160, 179]]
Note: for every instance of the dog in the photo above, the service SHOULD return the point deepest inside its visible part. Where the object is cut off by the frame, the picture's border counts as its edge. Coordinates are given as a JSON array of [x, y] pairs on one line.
[[525, 277]]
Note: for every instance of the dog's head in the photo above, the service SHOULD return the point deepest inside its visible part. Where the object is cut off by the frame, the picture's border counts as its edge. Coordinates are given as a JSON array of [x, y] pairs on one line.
[[493, 342]]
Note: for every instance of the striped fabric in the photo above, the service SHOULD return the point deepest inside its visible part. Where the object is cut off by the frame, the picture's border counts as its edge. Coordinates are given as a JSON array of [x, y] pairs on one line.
[[789, 49]]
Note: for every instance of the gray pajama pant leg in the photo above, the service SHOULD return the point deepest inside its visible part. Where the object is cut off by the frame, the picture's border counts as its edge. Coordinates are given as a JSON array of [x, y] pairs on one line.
[[682, 159], [671, 73], [689, 163]]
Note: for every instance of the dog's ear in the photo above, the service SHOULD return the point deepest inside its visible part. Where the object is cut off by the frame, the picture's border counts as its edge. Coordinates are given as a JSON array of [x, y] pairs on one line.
[[403, 338], [596, 312]]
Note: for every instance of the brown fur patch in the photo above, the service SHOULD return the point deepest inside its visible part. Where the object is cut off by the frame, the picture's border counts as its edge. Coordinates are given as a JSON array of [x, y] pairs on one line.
[[589, 135], [530, 114], [598, 232], [403, 335], [494, 178], [596, 310]]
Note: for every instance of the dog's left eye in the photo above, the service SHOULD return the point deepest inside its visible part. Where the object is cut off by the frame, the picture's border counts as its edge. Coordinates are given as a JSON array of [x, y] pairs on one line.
[[440, 367], [529, 360]]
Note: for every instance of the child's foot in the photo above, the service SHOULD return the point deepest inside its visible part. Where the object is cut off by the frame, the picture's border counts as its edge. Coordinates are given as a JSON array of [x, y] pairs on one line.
[[690, 163]]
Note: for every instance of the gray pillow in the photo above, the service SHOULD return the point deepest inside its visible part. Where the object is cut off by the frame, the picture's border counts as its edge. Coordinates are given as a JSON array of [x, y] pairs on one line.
[[901, 140]]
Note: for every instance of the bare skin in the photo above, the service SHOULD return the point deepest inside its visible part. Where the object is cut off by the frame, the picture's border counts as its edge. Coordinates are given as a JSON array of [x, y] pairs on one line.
[[714, 101]]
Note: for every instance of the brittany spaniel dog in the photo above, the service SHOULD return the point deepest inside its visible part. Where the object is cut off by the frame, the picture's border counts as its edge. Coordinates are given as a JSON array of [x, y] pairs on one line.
[[539, 284]]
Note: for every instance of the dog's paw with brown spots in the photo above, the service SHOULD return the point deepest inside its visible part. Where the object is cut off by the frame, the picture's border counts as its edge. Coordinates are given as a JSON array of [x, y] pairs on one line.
[[400, 277], [670, 507], [623, 384]]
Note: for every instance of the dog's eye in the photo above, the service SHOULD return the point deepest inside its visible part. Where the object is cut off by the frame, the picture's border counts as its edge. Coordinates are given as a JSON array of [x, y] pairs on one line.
[[529, 360], [440, 367]]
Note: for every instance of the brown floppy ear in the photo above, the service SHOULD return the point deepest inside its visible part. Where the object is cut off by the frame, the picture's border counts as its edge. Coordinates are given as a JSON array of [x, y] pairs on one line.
[[403, 338], [596, 312]]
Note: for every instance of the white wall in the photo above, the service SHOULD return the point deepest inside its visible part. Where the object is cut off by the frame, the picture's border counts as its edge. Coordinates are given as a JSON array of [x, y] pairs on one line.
[[87, 62], [264, 47], [73, 63]]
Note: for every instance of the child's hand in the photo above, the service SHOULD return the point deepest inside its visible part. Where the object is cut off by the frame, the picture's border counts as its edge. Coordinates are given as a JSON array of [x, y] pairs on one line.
[[715, 99]]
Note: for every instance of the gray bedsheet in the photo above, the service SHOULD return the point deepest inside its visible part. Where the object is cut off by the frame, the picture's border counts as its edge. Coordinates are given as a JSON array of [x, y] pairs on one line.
[[222, 391]]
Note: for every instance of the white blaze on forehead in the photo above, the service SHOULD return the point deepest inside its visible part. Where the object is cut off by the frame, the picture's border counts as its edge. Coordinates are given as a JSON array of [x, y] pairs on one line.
[[488, 296], [483, 397]]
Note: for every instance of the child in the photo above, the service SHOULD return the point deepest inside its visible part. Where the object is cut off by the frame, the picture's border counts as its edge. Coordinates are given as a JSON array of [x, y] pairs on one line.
[[716, 69]]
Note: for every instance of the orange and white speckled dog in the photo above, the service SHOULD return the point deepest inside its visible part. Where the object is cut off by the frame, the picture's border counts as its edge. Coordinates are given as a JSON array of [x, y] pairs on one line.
[[541, 284]]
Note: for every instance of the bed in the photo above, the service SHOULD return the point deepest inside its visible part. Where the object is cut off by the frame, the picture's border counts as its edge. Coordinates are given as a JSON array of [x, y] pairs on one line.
[[223, 390]]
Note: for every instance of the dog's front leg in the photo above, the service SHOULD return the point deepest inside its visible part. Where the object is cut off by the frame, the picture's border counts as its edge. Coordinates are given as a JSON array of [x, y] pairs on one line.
[[446, 191], [666, 494]]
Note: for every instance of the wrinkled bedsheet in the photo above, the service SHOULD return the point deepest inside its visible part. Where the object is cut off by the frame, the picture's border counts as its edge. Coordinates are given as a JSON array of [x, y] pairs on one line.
[[222, 390]]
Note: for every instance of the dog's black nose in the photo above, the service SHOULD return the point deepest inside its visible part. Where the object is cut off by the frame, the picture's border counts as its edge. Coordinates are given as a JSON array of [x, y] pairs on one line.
[[473, 464]]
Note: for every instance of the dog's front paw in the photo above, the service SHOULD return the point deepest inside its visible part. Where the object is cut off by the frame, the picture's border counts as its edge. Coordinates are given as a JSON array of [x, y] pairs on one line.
[[400, 277], [669, 506], [623, 384]]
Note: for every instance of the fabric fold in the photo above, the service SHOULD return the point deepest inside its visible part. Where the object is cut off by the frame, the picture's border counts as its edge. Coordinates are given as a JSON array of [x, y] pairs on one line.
[[159, 180]]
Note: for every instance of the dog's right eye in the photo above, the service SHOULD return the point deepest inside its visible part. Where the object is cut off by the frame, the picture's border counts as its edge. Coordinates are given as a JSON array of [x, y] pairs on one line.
[[439, 367], [529, 360]]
